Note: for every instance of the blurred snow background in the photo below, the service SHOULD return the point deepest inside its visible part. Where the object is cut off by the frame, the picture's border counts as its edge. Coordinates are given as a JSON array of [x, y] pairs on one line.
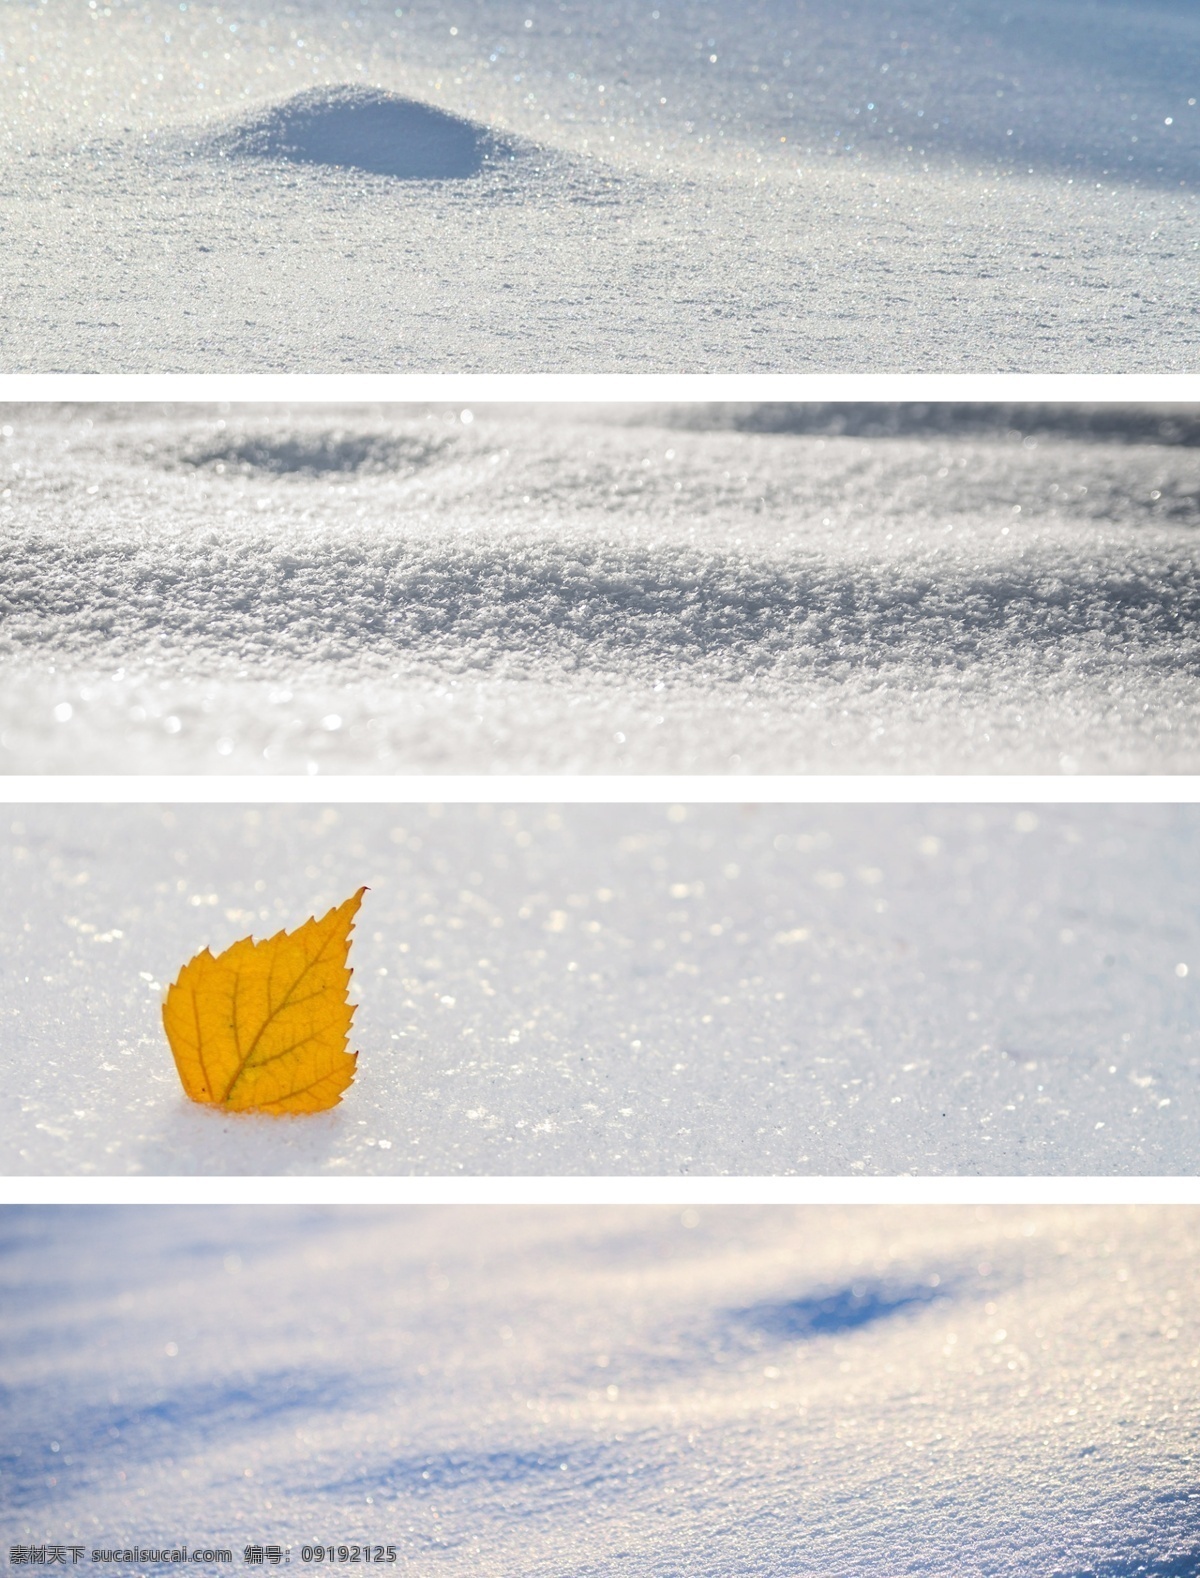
[[962, 1393], [628, 989], [992, 185], [700, 588]]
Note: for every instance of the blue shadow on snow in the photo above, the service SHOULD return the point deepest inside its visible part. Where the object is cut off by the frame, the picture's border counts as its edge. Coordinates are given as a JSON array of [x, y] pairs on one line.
[[831, 1314]]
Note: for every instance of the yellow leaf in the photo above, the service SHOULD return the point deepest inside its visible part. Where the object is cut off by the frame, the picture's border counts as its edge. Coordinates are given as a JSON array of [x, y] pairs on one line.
[[263, 1026]]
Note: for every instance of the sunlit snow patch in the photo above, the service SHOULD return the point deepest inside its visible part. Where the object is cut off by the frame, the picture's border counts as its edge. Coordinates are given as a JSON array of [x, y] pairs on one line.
[[354, 128]]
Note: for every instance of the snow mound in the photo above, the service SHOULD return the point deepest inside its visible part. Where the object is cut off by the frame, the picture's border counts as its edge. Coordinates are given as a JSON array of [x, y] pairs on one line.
[[995, 187], [352, 128]]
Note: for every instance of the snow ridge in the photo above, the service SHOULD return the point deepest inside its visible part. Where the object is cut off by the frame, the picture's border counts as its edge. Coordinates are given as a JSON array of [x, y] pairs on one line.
[[529, 600]]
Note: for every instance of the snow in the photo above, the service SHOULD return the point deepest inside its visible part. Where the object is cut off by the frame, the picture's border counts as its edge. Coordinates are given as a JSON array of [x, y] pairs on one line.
[[627, 588], [999, 185], [625, 990], [355, 128], [962, 1393]]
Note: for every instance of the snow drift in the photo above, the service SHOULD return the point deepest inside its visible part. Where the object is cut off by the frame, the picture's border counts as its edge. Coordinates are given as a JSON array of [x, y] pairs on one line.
[[624, 588], [798, 1393]]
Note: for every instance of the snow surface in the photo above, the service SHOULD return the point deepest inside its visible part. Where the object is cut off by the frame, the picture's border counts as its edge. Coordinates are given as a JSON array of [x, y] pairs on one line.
[[629, 588], [823, 1392], [628, 989], [836, 185]]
